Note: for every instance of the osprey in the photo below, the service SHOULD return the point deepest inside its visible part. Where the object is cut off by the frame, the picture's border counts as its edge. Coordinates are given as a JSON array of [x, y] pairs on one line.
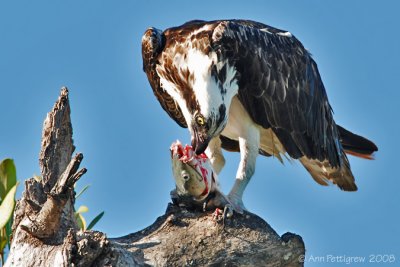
[[245, 86]]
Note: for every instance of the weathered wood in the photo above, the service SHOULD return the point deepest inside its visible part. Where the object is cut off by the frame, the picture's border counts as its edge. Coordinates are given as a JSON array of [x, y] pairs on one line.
[[193, 238], [44, 222], [45, 232], [57, 143]]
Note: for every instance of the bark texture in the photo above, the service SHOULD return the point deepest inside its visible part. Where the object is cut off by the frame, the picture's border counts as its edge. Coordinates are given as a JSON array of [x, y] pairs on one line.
[[45, 232], [193, 238]]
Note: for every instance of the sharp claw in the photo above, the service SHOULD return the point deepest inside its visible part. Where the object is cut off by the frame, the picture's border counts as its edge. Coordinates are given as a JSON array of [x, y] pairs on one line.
[[219, 200], [228, 213], [220, 215]]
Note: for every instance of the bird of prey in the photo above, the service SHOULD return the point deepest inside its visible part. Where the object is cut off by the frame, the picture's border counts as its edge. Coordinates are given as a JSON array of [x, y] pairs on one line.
[[245, 86]]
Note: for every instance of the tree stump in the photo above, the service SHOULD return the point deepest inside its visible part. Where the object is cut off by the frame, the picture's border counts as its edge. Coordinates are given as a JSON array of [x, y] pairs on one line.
[[45, 231]]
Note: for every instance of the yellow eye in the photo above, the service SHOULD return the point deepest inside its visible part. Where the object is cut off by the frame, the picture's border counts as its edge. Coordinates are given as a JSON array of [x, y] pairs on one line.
[[200, 120]]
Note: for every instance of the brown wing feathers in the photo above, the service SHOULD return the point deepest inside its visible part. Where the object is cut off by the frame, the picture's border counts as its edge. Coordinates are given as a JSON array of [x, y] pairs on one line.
[[152, 44], [281, 88]]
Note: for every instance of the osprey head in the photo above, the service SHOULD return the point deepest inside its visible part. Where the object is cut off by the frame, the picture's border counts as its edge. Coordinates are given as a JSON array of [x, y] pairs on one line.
[[204, 127], [202, 87], [211, 91]]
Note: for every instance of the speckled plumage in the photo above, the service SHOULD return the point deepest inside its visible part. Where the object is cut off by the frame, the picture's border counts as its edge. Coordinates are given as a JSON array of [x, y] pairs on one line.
[[273, 77]]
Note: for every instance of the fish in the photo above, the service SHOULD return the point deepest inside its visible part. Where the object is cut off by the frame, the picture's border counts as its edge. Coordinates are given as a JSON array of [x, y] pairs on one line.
[[194, 175], [196, 181]]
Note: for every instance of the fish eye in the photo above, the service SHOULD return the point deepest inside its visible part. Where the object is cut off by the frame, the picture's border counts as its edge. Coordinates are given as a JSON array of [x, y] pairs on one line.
[[200, 120]]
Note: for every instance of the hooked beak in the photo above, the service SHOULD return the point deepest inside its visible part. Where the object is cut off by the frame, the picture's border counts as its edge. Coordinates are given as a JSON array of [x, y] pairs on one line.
[[200, 142]]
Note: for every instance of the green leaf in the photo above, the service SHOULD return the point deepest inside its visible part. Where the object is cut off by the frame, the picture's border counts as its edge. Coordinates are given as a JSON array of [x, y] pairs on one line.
[[82, 191], [3, 243], [9, 232], [82, 209], [78, 220], [7, 206], [3, 240], [8, 177], [95, 220], [81, 221]]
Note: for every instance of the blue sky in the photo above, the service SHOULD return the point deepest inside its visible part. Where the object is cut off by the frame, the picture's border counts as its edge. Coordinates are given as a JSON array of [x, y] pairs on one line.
[[93, 48]]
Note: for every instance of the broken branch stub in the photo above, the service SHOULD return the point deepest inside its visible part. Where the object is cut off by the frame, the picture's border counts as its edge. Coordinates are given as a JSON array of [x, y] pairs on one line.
[[57, 143], [44, 226], [46, 222]]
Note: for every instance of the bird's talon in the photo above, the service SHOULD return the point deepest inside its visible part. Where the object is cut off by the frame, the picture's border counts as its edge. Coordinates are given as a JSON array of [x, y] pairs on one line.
[[228, 211]]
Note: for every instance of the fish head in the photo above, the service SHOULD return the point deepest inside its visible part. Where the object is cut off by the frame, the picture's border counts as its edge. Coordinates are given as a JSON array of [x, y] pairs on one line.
[[193, 174]]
